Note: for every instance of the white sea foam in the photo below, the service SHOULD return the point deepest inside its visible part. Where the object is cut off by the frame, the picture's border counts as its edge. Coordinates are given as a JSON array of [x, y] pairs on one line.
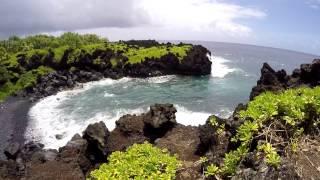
[[160, 79], [219, 67], [48, 120], [108, 95], [187, 117]]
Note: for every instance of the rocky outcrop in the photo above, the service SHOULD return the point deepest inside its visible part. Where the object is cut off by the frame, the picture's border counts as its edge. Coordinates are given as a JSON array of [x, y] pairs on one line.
[[270, 80], [85, 69], [132, 129], [181, 140], [97, 137]]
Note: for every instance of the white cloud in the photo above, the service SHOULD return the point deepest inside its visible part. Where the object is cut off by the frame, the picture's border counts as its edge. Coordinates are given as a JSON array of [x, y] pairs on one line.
[[33, 16], [200, 15], [167, 19]]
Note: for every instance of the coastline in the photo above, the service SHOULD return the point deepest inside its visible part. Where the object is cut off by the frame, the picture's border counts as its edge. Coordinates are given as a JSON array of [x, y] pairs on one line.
[[13, 120]]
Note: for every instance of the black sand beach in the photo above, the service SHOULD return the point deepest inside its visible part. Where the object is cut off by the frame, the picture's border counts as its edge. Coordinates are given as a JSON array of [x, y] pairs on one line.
[[13, 121]]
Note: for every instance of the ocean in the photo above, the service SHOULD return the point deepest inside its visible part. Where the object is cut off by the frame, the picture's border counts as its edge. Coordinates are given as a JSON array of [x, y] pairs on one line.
[[235, 70]]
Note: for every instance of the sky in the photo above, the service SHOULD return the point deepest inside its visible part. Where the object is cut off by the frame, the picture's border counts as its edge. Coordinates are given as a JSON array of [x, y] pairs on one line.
[[288, 24]]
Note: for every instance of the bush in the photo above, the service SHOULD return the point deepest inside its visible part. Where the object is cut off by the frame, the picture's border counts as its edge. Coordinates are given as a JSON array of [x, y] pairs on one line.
[[265, 118], [140, 161]]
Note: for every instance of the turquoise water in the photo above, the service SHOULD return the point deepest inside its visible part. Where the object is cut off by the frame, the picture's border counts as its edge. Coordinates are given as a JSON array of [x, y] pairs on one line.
[[235, 71]]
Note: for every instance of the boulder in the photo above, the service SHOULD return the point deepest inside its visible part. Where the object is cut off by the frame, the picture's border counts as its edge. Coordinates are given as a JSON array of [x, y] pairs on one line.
[[76, 152], [97, 136], [129, 130], [160, 114]]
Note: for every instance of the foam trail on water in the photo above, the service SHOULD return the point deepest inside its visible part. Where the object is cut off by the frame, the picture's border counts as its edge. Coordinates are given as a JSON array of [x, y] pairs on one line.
[[219, 67]]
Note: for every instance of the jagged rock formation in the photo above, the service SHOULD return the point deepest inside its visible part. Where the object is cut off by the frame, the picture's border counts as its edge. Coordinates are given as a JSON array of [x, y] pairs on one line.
[[270, 80]]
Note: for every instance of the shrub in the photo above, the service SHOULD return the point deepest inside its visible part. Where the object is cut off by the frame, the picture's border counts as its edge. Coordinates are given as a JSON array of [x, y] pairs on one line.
[[289, 111], [140, 161]]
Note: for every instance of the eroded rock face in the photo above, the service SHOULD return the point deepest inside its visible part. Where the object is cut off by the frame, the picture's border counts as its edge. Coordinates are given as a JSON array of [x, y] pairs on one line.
[[181, 140], [270, 80]]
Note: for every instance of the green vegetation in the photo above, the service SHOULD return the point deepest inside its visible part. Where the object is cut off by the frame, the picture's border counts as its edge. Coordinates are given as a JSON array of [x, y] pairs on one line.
[[211, 170], [140, 161], [272, 119], [22, 56], [25, 80], [220, 128]]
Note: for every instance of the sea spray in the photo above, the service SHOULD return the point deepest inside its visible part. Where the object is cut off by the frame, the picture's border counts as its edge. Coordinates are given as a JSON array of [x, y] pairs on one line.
[[219, 67]]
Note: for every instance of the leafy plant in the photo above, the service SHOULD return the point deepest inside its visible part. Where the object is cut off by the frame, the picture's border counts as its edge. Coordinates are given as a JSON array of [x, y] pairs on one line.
[[271, 156], [291, 109], [211, 170], [213, 121], [203, 160], [140, 161]]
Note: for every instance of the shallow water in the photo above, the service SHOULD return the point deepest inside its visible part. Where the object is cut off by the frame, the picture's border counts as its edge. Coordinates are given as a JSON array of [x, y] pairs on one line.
[[235, 69]]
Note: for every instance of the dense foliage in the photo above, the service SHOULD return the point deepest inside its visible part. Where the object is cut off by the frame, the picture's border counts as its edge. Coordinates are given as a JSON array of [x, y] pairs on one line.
[[21, 57], [140, 161], [272, 120], [15, 44]]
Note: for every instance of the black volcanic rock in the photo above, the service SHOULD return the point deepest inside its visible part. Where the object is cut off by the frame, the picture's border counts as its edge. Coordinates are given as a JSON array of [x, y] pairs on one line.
[[97, 136], [131, 129], [160, 114], [270, 80], [196, 62], [68, 73]]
